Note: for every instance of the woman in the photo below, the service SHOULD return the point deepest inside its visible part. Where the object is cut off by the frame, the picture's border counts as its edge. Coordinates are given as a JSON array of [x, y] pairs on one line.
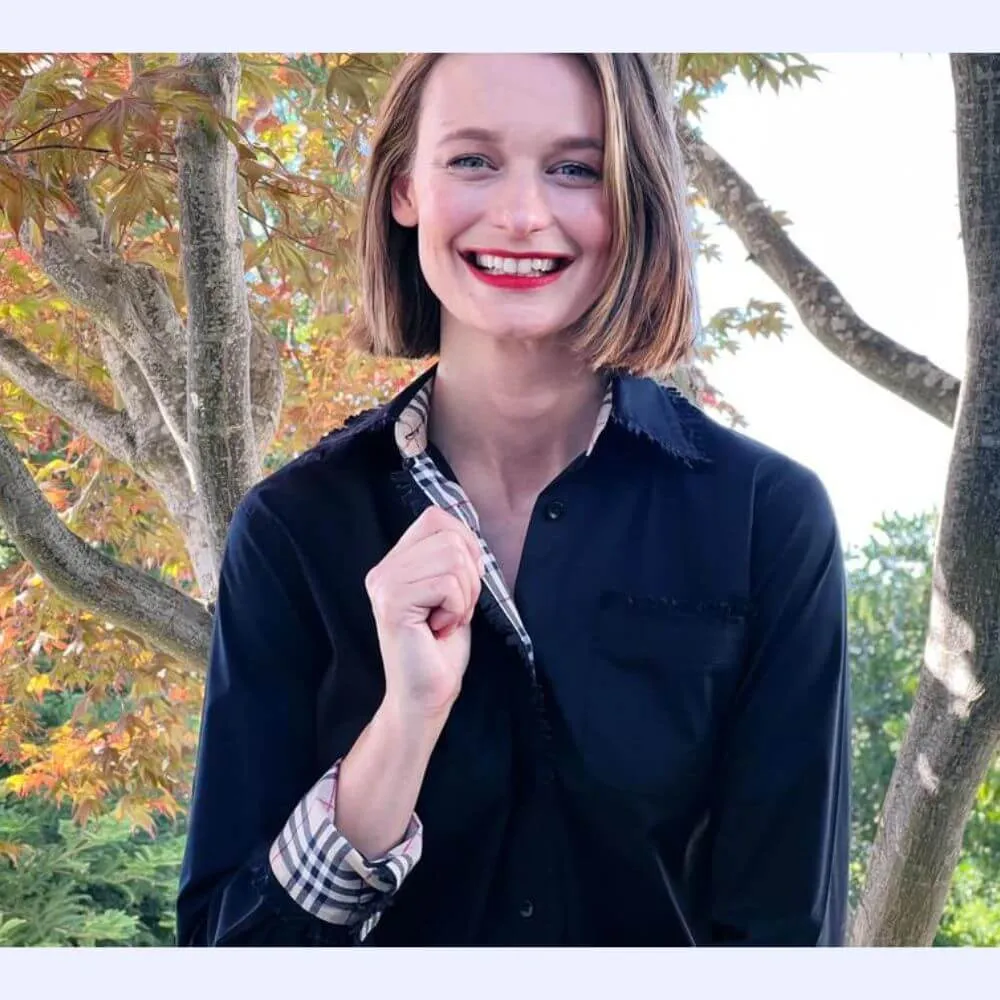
[[537, 653]]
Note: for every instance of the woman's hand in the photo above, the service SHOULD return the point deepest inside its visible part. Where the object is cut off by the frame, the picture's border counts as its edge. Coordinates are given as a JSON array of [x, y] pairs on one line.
[[423, 594]]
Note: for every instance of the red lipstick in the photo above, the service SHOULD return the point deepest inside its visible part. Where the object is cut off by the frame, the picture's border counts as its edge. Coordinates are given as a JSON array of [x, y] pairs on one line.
[[517, 282]]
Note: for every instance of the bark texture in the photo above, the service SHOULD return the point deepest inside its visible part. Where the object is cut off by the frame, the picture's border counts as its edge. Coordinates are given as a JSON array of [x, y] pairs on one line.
[[200, 400], [954, 727], [170, 620], [219, 413], [68, 399]]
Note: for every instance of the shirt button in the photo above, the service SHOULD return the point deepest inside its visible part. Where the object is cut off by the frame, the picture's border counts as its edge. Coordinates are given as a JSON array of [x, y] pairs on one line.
[[554, 510], [527, 908]]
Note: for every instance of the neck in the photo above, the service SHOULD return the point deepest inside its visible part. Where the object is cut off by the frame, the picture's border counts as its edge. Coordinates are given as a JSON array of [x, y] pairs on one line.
[[512, 415]]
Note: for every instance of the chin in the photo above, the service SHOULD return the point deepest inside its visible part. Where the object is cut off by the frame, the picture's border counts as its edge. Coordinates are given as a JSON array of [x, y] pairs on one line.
[[518, 325], [523, 332]]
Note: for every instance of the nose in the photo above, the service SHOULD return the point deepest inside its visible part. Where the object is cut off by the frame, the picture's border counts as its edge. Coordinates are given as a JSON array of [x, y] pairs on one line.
[[522, 207]]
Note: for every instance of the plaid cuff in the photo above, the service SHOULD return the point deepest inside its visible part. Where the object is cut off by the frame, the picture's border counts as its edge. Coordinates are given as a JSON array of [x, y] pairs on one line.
[[325, 875]]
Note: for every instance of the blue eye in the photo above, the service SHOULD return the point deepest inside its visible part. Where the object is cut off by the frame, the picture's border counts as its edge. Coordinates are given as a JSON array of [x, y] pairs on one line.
[[470, 162], [577, 171]]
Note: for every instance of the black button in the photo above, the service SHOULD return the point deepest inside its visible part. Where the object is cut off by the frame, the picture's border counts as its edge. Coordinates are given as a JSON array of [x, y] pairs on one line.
[[527, 908], [555, 509]]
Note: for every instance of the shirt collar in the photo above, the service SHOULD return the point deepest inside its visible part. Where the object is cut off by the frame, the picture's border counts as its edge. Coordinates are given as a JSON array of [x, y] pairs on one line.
[[410, 428], [659, 413], [641, 406]]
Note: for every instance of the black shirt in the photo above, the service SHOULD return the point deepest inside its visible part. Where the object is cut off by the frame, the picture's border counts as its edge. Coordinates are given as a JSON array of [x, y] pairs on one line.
[[674, 771]]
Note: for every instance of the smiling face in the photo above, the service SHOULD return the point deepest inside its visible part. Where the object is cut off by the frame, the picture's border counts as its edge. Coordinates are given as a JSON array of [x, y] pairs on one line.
[[505, 189]]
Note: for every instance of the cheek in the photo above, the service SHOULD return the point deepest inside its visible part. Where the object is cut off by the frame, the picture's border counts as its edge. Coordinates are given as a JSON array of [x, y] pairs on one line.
[[446, 210], [588, 221]]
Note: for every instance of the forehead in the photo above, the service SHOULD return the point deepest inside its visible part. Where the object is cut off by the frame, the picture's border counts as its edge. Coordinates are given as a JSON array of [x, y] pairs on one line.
[[517, 94]]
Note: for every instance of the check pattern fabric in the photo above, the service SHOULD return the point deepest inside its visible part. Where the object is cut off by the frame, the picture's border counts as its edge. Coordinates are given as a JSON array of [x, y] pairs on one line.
[[411, 439], [324, 874], [310, 858]]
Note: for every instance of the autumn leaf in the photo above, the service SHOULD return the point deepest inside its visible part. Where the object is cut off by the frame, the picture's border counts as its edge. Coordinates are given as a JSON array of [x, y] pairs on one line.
[[11, 851], [38, 685]]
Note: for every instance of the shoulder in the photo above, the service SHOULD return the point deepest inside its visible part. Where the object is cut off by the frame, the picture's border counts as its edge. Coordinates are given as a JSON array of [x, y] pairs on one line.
[[340, 467], [779, 488]]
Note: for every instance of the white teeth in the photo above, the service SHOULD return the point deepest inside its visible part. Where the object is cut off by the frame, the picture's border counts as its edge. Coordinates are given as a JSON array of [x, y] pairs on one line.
[[527, 266]]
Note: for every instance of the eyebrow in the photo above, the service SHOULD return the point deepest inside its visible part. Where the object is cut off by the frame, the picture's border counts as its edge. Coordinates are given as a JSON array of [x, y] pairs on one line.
[[572, 142]]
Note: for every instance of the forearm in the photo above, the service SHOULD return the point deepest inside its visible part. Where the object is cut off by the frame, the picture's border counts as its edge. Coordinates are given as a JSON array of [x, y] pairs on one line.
[[381, 776]]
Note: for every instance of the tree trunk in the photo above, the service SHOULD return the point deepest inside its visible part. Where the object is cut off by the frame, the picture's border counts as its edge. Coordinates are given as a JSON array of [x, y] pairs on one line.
[[219, 411], [199, 402], [955, 723]]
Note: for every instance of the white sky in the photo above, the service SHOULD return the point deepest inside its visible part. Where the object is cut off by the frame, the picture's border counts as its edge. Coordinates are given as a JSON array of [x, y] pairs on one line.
[[864, 164]]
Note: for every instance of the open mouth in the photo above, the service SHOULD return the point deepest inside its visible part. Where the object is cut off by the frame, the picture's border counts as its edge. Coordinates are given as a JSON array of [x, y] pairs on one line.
[[519, 266]]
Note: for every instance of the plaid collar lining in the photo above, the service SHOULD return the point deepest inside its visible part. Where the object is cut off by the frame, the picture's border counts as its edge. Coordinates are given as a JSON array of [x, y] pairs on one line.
[[411, 439]]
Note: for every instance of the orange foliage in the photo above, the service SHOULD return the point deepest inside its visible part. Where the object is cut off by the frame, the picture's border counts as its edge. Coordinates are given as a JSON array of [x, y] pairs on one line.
[[89, 714]]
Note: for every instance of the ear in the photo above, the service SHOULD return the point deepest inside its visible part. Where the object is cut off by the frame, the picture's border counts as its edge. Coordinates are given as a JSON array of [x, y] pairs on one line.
[[404, 204]]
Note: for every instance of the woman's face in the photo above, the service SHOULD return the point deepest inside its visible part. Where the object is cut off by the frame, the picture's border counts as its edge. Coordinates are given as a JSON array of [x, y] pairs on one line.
[[513, 225]]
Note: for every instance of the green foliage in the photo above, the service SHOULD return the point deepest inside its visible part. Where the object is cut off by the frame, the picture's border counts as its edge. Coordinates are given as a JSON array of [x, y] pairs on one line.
[[702, 75], [725, 330], [889, 591], [8, 554], [100, 884]]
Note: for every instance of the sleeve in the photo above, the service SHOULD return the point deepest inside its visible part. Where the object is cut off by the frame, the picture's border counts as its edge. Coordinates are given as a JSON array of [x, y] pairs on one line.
[[325, 875], [257, 835], [781, 804]]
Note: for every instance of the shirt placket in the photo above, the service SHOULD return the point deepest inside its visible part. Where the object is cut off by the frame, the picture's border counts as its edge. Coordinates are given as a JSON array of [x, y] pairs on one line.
[[448, 495], [411, 439]]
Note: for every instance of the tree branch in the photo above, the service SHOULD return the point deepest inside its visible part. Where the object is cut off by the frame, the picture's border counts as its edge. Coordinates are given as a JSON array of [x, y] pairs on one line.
[[170, 620], [158, 452], [57, 145], [90, 215], [219, 410], [73, 402], [271, 230], [130, 302], [267, 385], [665, 64], [54, 123], [817, 300]]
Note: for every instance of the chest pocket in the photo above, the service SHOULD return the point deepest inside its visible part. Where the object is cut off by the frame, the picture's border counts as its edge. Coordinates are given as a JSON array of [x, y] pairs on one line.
[[665, 672]]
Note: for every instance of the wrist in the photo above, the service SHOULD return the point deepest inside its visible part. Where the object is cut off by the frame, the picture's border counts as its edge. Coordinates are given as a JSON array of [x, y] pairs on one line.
[[415, 726]]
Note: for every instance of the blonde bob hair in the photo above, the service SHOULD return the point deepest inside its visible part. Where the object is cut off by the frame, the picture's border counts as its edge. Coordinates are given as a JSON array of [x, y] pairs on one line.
[[644, 316]]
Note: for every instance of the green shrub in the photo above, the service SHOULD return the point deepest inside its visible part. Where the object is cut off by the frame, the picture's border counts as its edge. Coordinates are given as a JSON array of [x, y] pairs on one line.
[[100, 884]]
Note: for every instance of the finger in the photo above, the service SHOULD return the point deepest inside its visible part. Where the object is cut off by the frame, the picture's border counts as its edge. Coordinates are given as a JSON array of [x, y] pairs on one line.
[[431, 521], [400, 591], [441, 553], [435, 520], [473, 543], [428, 555], [413, 603], [442, 597], [442, 623]]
